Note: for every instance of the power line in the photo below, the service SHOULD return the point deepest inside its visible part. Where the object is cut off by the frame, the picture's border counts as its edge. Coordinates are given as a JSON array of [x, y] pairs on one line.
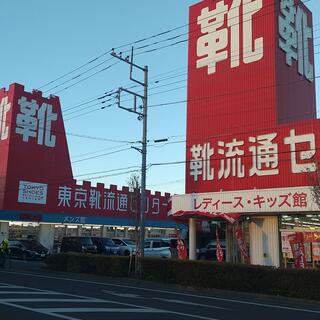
[[197, 22], [87, 101], [105, 171], [144, 46], [73, 134], [189, 33], [211, 97], [167, 78], [225, 94], [76, 69], [86, 78], [112, 175], [161, 86], [57, 182], [66, 181], [88, 112], [166, 183], [114, 92], [101, 155]]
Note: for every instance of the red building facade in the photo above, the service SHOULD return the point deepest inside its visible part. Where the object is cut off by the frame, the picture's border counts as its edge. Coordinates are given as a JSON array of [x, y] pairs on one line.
[[36, 180], [252, 132], [250, 108]]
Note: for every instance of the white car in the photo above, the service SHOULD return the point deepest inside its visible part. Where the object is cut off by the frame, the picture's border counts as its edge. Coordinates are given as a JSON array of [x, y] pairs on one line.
[[127, 246], [157, 248]]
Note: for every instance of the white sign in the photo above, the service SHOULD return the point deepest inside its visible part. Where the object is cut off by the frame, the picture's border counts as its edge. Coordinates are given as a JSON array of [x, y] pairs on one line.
[[93, 199], [263, 151], [4, 109], [285, 244], [32, 192], [220, 29], [297, 199], [295, 37], [34, 121]]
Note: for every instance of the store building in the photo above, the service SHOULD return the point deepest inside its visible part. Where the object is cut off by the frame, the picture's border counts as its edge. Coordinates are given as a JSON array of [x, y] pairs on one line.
[[252, 133], [38, 195]]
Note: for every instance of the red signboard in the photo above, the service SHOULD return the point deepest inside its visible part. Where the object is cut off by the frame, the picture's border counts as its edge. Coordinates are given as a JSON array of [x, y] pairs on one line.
[[311, 237], [35, 170], [251, 120]]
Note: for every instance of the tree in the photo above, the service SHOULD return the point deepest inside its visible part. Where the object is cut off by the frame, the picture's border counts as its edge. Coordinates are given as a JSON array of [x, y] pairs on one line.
[[315, 183], [134, 186]]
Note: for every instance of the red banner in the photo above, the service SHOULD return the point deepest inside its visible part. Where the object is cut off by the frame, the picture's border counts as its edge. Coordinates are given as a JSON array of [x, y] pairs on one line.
[[242, 245], [219, 251], [181, 247], [297, 247]]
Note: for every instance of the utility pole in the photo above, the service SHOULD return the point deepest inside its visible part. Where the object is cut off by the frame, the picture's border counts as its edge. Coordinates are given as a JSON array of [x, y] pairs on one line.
[[142, 115]]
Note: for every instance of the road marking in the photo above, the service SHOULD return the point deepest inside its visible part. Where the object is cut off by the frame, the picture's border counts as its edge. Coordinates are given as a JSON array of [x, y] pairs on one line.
[[59, 293], [29, 292], [136, 307], [30, 309], [95, 310], [191, 303], [54, 312], [123, 295], [265, 305], [49, 300]]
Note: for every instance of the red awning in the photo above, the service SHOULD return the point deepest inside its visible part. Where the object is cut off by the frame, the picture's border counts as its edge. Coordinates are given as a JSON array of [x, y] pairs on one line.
[[183, 215]]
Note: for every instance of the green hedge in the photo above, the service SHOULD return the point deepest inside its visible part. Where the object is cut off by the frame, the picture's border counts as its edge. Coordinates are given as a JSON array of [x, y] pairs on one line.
[[87, 263], [255, 279], [200, 274]]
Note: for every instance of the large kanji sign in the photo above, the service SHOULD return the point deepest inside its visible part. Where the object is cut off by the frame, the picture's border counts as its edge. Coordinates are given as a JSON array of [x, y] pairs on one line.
[[251, 120]]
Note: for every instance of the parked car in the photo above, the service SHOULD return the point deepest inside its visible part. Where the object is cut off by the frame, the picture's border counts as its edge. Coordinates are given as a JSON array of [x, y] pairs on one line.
[[127, 246], [106, 246], [157, 248], [209, 251], [27, 249], [78, 244]]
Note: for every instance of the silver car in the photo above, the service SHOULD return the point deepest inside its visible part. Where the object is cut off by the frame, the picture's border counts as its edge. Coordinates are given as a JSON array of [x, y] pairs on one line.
[[127, 246]]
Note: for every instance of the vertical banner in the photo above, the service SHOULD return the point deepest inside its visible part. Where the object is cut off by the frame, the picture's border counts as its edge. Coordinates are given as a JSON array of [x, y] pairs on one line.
[[219, 251], [181, 247], [298, 251], [242, 245]]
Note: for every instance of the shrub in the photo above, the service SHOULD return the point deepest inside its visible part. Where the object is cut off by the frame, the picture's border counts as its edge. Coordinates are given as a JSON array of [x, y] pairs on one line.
[[199, 274], [83, 263], [89, 263], [255, 279], [57, 262]]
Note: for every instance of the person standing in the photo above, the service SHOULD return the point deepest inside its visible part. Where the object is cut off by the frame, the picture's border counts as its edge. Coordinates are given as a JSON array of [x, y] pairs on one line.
[[4, 248]]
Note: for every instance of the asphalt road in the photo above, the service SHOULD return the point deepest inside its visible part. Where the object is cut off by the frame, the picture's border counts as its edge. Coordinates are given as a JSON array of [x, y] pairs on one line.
[[30, 293]]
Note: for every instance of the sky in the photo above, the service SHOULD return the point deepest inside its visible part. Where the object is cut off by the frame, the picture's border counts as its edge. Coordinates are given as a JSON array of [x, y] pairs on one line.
[[43, 40]]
